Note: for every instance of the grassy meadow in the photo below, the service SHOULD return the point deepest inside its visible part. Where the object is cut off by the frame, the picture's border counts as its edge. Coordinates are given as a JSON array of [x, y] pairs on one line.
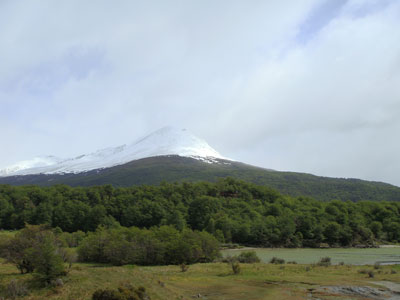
[[209, 281], [7, 233], [303, 280], [354, 256]]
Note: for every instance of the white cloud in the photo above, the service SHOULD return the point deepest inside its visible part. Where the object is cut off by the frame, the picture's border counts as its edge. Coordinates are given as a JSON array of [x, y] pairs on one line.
[[282, 84]]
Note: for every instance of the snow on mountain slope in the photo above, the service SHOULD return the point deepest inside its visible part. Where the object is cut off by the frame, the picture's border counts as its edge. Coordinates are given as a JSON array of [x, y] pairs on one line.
[[37, 162], [165, 141]]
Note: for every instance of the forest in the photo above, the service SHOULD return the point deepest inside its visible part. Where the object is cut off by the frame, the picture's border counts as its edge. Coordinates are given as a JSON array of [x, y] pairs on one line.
[[231, 210]]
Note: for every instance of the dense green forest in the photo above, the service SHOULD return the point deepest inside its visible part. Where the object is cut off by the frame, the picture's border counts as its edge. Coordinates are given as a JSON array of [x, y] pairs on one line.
[[230, 210]]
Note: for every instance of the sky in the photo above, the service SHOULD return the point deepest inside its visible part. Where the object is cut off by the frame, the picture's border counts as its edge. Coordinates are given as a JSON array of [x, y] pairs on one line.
[[309, 85]]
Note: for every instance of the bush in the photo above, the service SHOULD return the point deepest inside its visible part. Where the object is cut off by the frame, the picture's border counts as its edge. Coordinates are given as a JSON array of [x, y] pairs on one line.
[[127, 292], [14, 250], [16, 289], [35, 249], [235, 267], [105, 295], [156, 246], [324, 261], [68, 256], [72, 239], [277, 261], [184, 267], [47, 263], [248, 257], [228, 258], [371, 274], [377, 266]]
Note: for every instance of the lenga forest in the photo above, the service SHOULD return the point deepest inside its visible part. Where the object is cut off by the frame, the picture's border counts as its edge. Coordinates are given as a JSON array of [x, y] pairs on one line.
[[232, 211]]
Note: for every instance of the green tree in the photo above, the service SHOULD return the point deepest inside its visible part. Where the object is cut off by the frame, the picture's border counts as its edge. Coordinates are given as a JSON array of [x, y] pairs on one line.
[[201, 210], [47, 262], [35, 249], [376, 228], [332, 233]]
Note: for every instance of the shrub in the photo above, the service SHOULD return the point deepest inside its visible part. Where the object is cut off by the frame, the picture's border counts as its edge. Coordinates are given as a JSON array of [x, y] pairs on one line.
[[16, 289], [156, 246], [92, 247], [292, 262], [72, 239], [184, 267], [229, 259], [105, 295], [35, 249], [324, 261], [341, 263], [126, 292], [377, 266], [276, 260], [14, 249], [371, 274], [58, 282], [393, 271], [47, 263], [248, 257], [236, 267]]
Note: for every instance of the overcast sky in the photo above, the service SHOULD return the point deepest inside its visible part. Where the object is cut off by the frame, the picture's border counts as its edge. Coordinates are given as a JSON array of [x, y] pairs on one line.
[[306, 85]]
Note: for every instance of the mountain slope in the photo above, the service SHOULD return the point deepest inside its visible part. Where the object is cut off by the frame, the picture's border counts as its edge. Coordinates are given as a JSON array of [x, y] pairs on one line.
[[165, 141], [172, 168], [171, 155]]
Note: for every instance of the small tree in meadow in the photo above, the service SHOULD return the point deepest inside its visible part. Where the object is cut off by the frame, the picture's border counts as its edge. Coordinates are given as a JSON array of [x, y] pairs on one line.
[[48, 264], [35, 249]]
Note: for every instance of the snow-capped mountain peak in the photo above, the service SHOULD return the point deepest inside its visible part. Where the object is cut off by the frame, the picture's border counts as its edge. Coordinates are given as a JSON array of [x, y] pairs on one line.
[[165, 141], [169, 140]]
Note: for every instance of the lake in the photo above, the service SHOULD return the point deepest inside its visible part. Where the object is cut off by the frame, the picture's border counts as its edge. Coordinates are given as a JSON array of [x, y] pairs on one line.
[[355, 256]]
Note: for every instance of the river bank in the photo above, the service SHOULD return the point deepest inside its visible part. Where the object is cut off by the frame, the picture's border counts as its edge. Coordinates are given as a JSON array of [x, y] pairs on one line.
[[353, 256]]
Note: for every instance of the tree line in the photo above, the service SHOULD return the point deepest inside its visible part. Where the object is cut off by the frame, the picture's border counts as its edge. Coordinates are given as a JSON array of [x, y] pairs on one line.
[[232, 211], [45, 251]]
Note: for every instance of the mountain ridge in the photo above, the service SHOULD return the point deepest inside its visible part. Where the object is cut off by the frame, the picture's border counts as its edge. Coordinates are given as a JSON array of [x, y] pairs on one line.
[[176, 155], [165, 141], [172, 168]]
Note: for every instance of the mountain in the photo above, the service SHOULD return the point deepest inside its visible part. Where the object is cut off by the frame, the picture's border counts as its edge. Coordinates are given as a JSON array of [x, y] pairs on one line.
[[165, 141], [173, 155]]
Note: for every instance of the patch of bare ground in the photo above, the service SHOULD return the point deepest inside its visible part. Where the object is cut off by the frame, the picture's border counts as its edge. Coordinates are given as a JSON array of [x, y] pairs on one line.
[[391, 291]]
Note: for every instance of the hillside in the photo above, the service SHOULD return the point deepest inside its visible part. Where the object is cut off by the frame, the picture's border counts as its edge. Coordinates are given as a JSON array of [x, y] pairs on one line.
[[172, 168], [164, 141]]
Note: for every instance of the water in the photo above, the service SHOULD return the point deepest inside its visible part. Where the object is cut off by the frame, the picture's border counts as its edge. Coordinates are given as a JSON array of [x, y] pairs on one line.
[[352, 256]]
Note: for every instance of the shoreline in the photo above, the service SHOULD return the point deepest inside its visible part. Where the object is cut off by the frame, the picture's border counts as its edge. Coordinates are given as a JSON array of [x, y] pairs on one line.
[[322, 248]]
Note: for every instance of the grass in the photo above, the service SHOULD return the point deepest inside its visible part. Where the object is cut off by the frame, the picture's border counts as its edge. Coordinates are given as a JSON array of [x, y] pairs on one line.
[[309, 256], [211, 281], [8, 233]]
